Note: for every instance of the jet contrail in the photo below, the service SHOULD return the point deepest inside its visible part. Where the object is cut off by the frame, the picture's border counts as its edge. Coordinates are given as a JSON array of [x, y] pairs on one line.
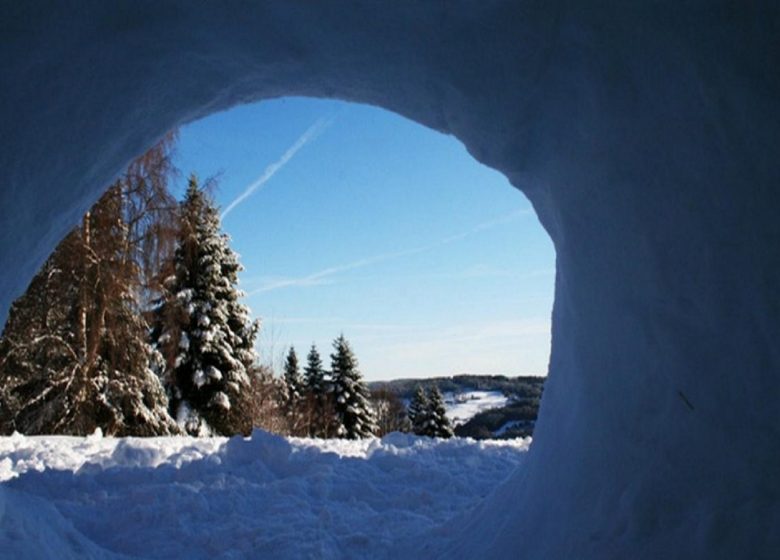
[[317, 277], [311, 133]]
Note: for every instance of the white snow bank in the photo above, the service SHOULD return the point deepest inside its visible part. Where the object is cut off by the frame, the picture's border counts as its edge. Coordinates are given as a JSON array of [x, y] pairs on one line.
[[19, 454], [266, 496]]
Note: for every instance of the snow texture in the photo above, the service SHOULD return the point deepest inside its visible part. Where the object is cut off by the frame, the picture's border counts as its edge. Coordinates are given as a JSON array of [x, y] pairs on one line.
[[262, 497], [645, 134]]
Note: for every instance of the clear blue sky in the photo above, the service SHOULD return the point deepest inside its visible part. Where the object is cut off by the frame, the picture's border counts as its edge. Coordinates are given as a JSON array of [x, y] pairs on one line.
[[366, 223]]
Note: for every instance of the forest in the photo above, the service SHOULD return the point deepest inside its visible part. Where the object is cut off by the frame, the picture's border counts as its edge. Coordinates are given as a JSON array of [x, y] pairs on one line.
[[135, 326]]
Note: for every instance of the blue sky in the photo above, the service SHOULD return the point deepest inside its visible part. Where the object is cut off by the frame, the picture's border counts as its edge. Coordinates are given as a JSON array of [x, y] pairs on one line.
[[351, 219]]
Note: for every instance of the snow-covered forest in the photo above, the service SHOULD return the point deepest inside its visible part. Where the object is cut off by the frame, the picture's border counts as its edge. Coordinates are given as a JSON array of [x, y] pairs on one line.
[[135, 327]]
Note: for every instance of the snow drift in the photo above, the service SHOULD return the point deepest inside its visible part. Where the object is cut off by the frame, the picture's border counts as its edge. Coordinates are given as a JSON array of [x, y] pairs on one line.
[[645, 135], [262, 497]]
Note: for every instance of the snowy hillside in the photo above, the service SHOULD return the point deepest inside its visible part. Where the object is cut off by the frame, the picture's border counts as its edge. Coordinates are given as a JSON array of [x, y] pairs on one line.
[[461, 407], [265, 496]]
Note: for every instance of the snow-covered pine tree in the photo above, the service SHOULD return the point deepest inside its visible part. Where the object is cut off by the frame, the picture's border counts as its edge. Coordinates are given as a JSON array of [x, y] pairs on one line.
[[294, 396], [292, 380], [317, 403], [438, 423], [419, 411], [202, 328], [351, 395]]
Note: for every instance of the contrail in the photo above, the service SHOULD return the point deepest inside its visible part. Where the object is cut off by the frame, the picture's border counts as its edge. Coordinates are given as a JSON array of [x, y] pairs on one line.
[[317, 277], [311, 133]]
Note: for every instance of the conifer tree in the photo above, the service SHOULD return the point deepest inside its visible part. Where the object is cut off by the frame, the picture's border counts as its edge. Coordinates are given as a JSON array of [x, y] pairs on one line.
[[292, 379], [438, 423], [419, 412], [353, 410], [317, 403], [428, 414], [293, 396], [202, 328], [314, 373]]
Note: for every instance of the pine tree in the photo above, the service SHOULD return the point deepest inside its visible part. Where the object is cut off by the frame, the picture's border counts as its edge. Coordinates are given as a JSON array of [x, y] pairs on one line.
[[292, 379], [351, 395], [202, 328], [428, 414], [293, 396], [419, 412], [438, 423], [314, 373], [317, 403]]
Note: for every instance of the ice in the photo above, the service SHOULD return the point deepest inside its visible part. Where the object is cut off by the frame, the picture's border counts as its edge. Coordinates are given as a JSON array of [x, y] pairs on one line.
[[264, 496], [644, 134]]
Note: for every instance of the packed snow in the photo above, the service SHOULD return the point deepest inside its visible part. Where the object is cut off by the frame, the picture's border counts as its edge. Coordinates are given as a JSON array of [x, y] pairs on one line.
[[264, 496]]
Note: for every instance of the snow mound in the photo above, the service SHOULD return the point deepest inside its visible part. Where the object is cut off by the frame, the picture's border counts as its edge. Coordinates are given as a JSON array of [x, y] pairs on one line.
[[264, 496]]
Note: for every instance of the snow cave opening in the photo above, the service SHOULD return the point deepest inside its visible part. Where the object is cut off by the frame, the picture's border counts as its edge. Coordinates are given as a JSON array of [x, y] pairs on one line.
[[645, 139], [351, 218]]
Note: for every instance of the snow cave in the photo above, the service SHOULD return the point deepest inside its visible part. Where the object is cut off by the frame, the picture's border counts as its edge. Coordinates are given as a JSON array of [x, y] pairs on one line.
[[646, 137]]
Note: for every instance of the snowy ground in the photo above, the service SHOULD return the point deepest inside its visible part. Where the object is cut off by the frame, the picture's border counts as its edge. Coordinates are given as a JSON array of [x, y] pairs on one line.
[[264, 497], [461, 407]]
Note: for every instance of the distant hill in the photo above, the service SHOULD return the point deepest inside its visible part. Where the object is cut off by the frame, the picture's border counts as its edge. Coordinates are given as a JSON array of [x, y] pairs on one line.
[[516, 418], [524, 386]]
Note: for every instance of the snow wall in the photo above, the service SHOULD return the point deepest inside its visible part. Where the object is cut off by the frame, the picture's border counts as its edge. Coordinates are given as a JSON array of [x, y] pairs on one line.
[[646, 137]]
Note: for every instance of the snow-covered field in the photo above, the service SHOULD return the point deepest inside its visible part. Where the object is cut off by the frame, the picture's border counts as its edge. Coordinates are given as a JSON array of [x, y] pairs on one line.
[[461, 407], [260, 497]]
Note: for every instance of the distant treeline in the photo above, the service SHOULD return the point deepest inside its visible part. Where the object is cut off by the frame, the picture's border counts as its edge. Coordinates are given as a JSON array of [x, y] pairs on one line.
[[524, 393], [521, 387]]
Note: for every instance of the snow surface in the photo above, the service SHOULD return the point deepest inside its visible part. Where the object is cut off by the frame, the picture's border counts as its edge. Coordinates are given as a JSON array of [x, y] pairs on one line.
[[262, 497], [463, 406], [645, 134]]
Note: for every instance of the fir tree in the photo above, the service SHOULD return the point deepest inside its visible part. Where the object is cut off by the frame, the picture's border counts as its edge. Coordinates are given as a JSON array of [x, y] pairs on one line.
[[438, 423], [314, 373], [353, 410], [292, 380], [202, 328], [419, 411], [293, 397], [317, 403], [428, 414]]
